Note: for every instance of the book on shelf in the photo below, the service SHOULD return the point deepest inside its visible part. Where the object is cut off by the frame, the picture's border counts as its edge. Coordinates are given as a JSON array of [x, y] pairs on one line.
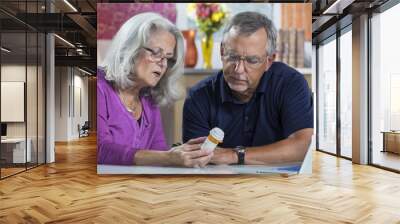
[[285, 46], [300, 39], [279, 45], [292, 48]]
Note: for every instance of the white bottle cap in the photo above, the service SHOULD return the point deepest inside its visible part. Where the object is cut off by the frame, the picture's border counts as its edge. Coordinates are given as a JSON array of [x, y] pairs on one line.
[[218, 134]]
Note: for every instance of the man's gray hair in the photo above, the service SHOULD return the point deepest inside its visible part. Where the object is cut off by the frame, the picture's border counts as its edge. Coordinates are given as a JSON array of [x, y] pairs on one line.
[[249, 22], [119, 62]]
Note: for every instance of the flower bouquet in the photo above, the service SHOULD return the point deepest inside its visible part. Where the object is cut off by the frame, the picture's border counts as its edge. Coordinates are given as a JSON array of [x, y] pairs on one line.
[[209, 18]]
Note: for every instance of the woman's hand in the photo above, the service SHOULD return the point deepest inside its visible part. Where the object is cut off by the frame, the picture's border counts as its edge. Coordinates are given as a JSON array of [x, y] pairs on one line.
[[190, 154]]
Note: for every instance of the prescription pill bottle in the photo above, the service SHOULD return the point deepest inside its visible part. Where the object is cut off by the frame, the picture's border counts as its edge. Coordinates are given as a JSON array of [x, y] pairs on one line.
[[213, 139]]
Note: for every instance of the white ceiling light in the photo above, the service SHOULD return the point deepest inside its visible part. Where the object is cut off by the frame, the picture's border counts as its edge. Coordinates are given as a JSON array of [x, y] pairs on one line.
[[5, 49], [65, 41], [79, 51], [337, 7], [70, 5], [86, 72]]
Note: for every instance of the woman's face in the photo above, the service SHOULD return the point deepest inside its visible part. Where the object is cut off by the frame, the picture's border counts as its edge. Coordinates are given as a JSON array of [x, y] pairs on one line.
[[154, 58]]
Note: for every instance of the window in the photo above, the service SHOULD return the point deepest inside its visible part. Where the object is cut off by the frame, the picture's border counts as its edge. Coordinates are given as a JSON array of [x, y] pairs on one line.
[[385, 89], [346, 94], [327, 97], [22, 65]]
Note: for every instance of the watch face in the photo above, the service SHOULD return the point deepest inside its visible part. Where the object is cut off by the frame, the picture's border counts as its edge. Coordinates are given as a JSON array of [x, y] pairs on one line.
[[240, 149]]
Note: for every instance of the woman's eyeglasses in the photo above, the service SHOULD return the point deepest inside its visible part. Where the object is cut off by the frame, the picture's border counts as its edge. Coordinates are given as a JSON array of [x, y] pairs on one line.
[[157, 55]]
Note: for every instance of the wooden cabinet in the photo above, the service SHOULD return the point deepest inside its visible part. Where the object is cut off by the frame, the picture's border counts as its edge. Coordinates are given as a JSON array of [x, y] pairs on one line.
[[391, 142]]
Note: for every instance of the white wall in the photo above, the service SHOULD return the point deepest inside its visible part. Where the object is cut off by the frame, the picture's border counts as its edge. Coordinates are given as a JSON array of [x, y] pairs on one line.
[[79, 117], [12, 73], [69, 85], [61, 103]]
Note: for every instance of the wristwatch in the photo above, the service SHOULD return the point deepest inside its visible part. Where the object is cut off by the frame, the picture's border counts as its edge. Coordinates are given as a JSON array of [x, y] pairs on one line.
[[240, 152]]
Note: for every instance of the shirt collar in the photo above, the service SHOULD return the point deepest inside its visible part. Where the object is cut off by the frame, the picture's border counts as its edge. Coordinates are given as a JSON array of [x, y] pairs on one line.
[[225, 91], [262, 85]]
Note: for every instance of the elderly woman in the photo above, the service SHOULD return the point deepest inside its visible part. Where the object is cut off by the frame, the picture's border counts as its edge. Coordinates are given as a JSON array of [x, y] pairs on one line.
[[140, 72]]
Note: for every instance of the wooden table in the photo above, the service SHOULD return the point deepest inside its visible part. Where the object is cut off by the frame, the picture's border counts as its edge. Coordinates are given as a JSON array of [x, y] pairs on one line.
[[292, 168]]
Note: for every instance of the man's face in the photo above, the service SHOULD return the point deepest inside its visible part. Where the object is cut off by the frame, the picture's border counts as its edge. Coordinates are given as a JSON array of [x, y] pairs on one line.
[[244, 60]]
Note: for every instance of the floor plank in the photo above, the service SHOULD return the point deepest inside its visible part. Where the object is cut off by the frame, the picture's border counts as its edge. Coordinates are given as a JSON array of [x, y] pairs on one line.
[[70, 191]]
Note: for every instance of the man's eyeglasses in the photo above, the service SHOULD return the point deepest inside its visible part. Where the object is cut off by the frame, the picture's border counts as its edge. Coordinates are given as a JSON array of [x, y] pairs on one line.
[[157, 55], [253, 62]]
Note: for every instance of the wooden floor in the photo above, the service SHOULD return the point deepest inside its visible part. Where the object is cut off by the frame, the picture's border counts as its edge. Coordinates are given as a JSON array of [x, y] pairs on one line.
[[5, 172], [70, 191], [10, 171]]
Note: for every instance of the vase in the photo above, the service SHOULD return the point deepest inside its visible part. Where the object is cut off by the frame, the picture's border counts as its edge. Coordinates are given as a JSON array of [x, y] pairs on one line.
[[191, 50], [206, 49]]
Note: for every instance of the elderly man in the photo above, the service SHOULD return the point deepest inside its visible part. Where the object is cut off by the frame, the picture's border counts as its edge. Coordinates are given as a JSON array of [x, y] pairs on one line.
[[264, 107]]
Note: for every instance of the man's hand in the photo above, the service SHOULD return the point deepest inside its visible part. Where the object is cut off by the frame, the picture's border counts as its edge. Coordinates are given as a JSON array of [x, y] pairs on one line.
[[190, 154], [291, 149], [224, 156]]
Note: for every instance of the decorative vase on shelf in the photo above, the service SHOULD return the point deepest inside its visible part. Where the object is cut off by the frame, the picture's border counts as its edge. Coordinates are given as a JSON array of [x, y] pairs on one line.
[[191, 50], [206, 49]]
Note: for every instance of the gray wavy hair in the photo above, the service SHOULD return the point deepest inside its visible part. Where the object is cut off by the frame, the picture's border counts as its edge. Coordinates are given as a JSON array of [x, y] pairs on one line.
[[249, 22], [125, 47]]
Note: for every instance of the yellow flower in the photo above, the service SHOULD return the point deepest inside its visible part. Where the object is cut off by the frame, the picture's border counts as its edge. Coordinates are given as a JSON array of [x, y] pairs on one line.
[[216, 17]]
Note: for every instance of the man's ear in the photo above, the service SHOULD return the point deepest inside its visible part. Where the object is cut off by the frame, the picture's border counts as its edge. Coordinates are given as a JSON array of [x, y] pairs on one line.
[[272, 58], [221, 49]]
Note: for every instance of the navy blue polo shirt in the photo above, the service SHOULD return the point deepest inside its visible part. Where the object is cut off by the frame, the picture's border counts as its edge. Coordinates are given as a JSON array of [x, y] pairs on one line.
[[281, 105]]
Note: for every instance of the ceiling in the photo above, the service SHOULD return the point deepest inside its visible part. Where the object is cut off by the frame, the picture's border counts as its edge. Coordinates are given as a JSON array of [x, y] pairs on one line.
[[72, 20], [75, 21], [330, 15]]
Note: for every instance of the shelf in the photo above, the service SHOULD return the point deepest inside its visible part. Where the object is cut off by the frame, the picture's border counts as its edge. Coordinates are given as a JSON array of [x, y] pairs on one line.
[[304, 71], [200, 71]]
